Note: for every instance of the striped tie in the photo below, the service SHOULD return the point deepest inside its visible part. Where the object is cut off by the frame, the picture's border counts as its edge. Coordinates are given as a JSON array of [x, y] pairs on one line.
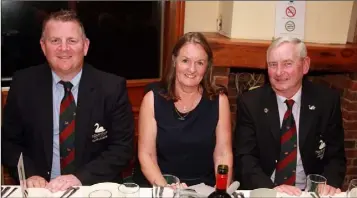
[[66, 127], [286, 166]]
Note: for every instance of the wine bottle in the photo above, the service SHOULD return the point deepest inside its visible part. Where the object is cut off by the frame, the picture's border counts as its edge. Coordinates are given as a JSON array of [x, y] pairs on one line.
[[221, 183]]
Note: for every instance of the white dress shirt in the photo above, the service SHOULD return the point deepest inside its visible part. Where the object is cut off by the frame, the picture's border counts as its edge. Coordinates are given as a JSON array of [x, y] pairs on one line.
[[300, 174]]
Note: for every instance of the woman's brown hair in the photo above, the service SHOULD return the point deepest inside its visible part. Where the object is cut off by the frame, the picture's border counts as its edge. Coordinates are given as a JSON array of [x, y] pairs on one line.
[[168, 81]]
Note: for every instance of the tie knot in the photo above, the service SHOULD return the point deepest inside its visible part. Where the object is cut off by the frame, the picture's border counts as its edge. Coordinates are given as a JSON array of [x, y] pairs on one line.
[[289, 103], [67, 85]]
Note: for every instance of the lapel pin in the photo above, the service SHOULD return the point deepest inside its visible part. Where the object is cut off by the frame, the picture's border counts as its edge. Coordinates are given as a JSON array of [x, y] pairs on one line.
[[266, 110], [312, 107]]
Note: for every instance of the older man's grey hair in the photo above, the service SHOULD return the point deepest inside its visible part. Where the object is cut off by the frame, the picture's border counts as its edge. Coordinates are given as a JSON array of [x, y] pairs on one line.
[[300, 46]]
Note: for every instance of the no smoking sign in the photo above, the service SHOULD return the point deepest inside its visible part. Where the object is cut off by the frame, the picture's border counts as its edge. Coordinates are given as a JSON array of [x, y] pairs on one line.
[[290, 19], [290, 11]]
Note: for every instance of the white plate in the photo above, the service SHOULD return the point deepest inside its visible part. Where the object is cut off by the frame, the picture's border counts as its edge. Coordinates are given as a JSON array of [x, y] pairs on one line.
[[112, 187]]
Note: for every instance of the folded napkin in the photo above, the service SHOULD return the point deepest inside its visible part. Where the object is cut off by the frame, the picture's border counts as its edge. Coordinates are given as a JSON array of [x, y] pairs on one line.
[[203, 190]]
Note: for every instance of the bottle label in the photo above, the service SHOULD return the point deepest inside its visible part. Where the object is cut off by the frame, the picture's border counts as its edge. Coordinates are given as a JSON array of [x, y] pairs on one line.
[[221, 182]]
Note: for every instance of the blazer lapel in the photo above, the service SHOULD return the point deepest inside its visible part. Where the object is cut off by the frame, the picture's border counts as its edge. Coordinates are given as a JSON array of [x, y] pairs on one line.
[[307, 112], [45, 110], [85, 104], [272, 112]]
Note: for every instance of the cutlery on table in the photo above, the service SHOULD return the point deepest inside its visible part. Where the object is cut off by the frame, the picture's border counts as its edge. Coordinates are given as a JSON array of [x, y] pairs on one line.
[[73, 191], [161, 191], [315, 195], [5, 190], [13, 190], [68, 191]]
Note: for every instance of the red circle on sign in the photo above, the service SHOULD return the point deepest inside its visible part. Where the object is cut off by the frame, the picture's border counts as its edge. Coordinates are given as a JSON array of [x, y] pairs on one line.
[[290, 11]]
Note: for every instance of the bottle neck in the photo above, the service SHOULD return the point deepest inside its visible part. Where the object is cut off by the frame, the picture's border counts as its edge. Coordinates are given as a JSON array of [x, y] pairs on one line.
[[221, 182]]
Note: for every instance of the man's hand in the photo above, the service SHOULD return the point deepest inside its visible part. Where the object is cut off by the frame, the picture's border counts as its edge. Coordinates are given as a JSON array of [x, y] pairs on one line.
[[36, 182], [63, 182], [290, 190], [329, 190]]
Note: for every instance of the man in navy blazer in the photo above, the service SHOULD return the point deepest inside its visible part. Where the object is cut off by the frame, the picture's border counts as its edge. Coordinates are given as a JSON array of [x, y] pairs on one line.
[[318, 127], [104, 123]]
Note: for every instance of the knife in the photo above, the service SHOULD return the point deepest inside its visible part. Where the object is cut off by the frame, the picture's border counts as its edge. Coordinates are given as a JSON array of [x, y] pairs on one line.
[[73, 191], [13, 190], [66, 192], [5, 190]]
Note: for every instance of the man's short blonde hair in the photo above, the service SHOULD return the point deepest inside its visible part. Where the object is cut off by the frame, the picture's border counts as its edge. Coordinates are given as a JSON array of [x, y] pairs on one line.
[[301, 47], [63, 16]]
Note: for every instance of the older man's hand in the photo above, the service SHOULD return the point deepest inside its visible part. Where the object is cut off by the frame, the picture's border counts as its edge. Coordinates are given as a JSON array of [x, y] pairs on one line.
[[329, 190], [290, 190]]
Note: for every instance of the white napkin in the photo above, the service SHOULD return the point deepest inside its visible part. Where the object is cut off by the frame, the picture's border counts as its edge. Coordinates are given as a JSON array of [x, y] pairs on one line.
[[205, 190]]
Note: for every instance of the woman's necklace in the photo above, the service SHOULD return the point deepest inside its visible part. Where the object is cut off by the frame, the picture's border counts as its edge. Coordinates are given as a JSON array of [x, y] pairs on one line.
[[185, 110], [180, 117]]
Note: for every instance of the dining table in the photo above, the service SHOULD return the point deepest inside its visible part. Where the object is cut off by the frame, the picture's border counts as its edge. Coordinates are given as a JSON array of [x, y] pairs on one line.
[[84, 191]]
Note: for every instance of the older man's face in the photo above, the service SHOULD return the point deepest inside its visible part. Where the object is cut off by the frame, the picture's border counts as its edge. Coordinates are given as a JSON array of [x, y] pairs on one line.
[[286, 69]]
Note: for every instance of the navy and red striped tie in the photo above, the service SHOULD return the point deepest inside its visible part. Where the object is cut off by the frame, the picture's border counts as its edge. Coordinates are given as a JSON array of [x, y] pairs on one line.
[[66, 127], [286, 166]]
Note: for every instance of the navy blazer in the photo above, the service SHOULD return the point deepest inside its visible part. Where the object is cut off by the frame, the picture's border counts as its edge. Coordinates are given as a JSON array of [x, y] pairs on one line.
[[28, 125], [257, 135]]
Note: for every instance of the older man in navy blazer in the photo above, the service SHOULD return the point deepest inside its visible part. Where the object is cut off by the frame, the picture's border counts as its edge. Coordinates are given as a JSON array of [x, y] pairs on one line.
[[289, 128]]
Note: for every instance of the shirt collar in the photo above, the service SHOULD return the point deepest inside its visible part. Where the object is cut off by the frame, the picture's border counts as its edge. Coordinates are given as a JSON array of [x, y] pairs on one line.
[[74, 81], [296, 97]]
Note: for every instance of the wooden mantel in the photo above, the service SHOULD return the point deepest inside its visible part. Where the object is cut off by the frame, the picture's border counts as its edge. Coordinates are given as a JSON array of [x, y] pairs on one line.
[[252, 54]]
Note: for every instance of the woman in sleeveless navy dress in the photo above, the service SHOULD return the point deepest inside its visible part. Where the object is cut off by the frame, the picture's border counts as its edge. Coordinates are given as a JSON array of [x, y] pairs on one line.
[[184, 122]]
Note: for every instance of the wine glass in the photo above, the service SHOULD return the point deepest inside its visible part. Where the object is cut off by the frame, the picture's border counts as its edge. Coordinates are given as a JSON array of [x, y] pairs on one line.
[[129, 190], [315, 184], [170, 189], [352, 188]]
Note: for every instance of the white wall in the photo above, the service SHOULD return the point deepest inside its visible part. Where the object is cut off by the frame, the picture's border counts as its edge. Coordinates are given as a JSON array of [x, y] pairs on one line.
[[326, 21], [201, 16]]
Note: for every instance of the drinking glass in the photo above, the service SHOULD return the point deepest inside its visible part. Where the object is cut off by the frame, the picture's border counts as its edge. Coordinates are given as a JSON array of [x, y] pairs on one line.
[[171, 189], [315, 184], [100, 193], [129, 190], [352, 188]]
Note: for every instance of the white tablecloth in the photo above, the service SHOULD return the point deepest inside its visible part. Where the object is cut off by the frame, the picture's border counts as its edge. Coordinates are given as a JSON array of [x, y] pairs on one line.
[[144, 192]]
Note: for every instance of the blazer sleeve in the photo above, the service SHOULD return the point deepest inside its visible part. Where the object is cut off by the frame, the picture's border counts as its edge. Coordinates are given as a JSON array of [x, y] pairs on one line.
[[13, 137], [335, 164], [249, 171], [120, 148]]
